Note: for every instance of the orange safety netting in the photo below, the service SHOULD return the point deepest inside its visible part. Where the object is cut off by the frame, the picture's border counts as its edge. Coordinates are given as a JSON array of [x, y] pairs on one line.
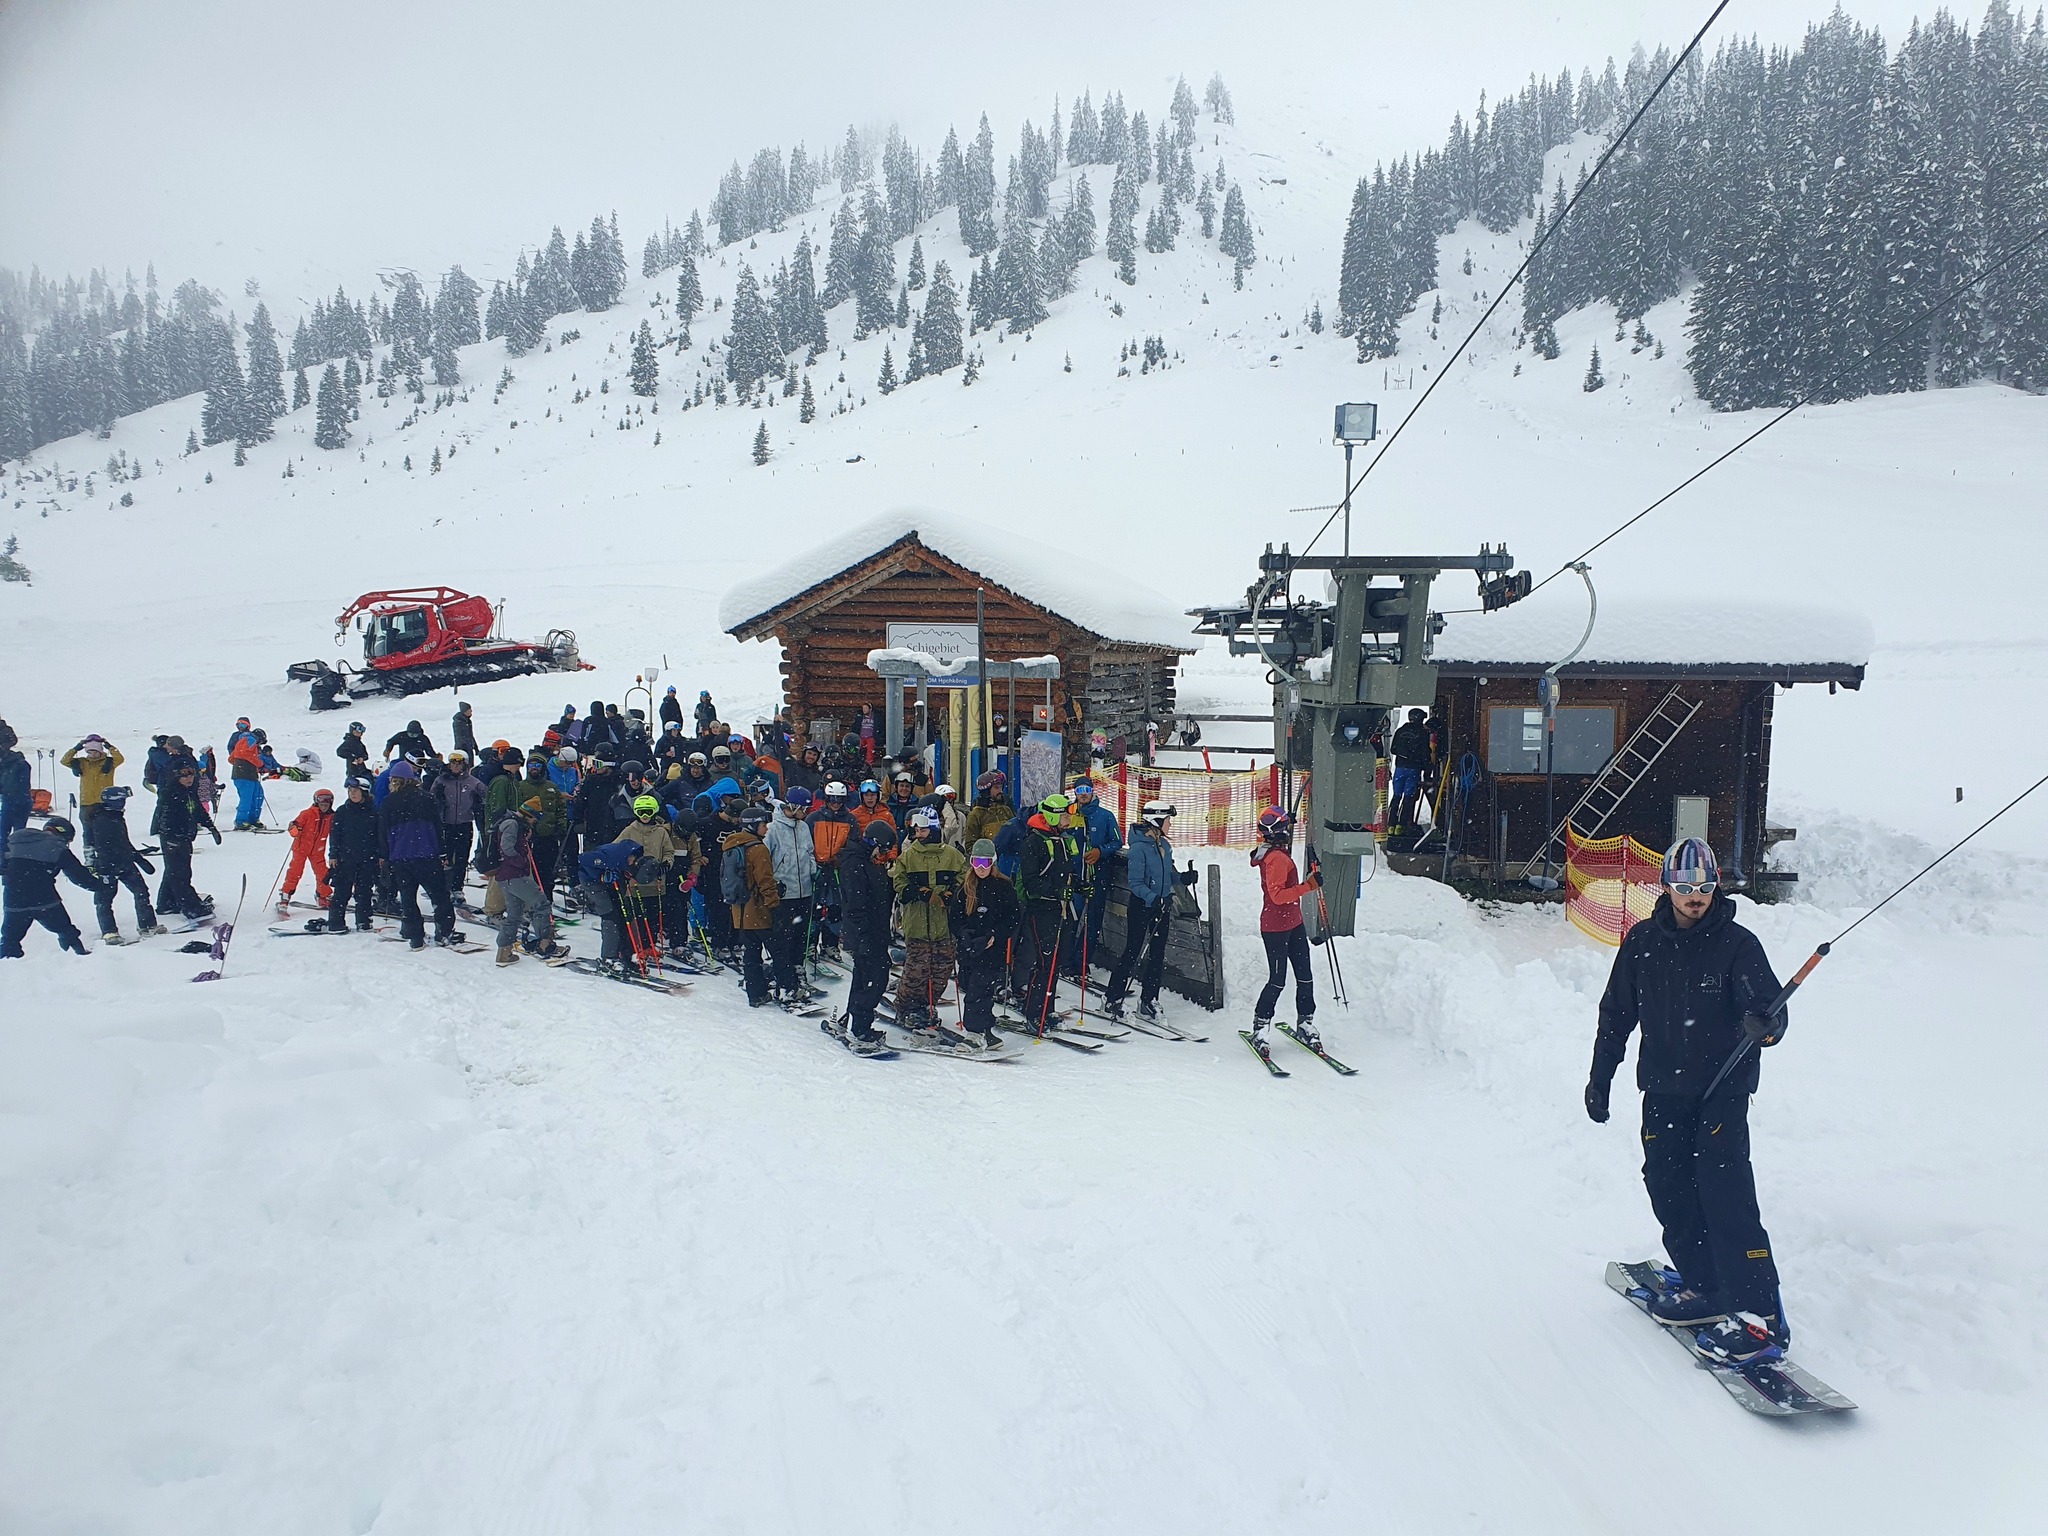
[[1214, 810], [1611, 884]]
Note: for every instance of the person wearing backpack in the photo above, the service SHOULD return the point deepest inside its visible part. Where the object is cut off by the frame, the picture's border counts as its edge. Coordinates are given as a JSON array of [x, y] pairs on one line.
[[525, 901], [746, 878], [868, 897], [602, 874]]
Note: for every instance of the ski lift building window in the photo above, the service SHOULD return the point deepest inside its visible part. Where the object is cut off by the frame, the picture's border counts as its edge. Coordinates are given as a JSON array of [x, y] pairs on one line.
[[1514, 738]]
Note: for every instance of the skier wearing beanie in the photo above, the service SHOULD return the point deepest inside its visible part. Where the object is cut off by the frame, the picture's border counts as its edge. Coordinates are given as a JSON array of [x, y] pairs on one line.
[[1696, 982], [410, 834], [988, 919]]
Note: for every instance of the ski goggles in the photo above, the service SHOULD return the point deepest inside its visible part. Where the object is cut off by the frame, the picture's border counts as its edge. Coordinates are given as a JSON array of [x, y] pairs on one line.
[[982, 866], [1695, 887]]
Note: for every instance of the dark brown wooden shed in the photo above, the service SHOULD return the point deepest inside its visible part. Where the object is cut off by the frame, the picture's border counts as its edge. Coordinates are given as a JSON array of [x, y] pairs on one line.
[[1671, 720], [1117, 644]]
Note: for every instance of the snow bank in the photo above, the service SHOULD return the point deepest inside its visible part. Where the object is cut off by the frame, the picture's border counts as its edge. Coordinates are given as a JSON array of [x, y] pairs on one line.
[[1068, 581], [1769, 634]]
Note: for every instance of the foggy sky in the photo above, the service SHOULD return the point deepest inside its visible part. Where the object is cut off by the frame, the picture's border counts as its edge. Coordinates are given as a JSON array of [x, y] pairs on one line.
[[299, 143]]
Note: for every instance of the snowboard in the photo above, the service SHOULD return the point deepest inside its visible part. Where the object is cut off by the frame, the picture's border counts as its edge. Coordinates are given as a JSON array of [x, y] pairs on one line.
[[1773, 1387]]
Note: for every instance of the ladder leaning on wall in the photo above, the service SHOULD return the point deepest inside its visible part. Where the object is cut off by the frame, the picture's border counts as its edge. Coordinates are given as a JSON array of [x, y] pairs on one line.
[[1603, 797]]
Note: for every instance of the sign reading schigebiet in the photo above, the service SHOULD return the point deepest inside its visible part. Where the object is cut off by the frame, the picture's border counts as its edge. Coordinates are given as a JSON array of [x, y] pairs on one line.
[[945, 642]]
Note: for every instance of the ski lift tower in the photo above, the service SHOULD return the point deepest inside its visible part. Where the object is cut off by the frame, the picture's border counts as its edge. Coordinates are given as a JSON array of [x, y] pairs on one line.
[[1337, 666]]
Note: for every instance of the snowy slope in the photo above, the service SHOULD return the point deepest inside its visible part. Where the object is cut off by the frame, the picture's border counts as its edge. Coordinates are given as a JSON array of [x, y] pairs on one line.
[[363, 1241]]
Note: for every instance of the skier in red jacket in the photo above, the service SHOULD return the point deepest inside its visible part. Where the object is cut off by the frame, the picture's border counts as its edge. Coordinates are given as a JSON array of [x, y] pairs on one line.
[[1282, 928], [309, 831]]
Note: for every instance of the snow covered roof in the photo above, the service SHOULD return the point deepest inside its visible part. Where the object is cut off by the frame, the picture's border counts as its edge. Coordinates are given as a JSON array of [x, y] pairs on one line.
[[1072, 584], [1735, 639]]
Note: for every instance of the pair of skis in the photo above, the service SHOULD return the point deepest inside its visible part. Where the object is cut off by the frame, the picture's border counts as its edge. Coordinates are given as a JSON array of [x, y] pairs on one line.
[[1316, 1051]]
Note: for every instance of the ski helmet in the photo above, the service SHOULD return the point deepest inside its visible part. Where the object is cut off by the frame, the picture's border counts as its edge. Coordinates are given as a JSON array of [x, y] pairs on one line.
[[799, 797], [633, 767], [902, 776], [115, 795], [1055, 806], [993, 779], [1276, 826], [718, 753], [566, 755], [699, 760], [924, 820], [458, 756], [870, 787], [646, 807], [1691, 862], [363, 784], [835, 791], [754, 816], [355, 727], [323, 794], [879, 834], [60, 829], [947, 792], [1158, 813]]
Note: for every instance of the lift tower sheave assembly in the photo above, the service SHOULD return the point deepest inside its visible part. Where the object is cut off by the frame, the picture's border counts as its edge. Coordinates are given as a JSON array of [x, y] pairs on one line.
[[1337, 667]]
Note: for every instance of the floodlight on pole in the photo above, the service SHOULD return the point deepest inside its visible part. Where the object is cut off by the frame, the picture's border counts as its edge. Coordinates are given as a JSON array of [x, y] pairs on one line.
[[1358, 422]]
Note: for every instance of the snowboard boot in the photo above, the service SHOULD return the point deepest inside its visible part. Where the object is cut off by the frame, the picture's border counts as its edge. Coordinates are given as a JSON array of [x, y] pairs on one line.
[[507, 955], [1744, 1336], [983, 1039], [112, 938], [1684, 1307], [556, 950]]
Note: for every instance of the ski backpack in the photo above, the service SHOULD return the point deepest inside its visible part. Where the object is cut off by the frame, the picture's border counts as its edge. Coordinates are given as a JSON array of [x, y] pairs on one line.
[[732, 877], [486, 859]]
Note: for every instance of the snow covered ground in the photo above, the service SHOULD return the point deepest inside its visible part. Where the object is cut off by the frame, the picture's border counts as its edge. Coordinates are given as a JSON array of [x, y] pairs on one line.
[[361, 1241]]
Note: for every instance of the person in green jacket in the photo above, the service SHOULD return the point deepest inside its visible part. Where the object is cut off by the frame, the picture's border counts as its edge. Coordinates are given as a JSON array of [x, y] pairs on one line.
[[552, 822], [927, 876]]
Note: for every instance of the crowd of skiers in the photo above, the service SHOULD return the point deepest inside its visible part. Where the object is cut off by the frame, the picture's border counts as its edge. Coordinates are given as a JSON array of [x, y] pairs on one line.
[[674, 834]]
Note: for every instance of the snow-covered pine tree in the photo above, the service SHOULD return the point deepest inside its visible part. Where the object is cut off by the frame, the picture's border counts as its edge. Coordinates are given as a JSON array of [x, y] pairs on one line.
[[874, 271], [762, 452], [455, 310], [221, 414], [917, 275], [650, 256], [1182, 111], [302, 392], [807, 329], [1017, 295], [978, 192], [330, 417], [1083, 134], [807, 404], [1205, 205], [645, 372], [938, 328], [265, 387], [1114, 147], [886, 380], [981, 297], [852, 169], [1216, 97], [689, 296], [1595, 379], [1234, 237], [1140, 151], [950, 171], [842, 256], [752, 350]]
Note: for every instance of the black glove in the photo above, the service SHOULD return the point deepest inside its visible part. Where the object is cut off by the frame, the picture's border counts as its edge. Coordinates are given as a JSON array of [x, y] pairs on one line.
[[1188, 876], [149, 849], [1596, 1101], [216, 835], [1765, 1031], [144, 865]]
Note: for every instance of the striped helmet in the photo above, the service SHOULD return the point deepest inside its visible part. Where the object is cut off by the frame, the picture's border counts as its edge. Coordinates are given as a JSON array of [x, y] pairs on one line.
[[1691, 862]]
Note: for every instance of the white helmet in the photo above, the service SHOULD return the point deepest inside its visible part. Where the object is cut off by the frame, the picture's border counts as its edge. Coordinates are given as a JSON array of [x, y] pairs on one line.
[[924, 819], [1158, 812], [835, 791]]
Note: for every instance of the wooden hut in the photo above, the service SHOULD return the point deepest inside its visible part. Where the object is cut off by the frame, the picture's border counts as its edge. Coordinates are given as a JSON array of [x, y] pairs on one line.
[[910, 582], [1663, 726]]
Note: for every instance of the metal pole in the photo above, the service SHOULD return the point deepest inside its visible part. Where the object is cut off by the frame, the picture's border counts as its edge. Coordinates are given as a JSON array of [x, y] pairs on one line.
[[1013, 770], [982, 695], [1347, 498]]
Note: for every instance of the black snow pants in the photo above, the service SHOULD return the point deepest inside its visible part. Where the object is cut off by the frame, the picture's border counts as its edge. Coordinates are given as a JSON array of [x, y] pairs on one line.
[[870, 981], [1696, 1167], [103, 901], [15, 926], [1145, 927], [174, 891], [1283, 949], [412, 876], [351, 880]]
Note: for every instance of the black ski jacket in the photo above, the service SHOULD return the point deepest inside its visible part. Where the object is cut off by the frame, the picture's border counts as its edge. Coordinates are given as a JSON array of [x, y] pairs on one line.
[[107, 848], [14, 777], [984, 928], [464, 728], [866, 897], [352, 837], [1687, 989], [353, 751], [181, 814], [35, 859], [1411, 745]]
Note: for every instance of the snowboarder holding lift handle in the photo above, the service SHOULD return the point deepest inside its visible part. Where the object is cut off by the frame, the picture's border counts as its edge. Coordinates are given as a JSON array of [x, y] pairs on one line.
[[1698, 984]]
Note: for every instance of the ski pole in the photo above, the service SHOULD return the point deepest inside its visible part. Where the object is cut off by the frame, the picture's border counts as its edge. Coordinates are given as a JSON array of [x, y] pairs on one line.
[[1315, 866], [1749, 1042], [277, 879]]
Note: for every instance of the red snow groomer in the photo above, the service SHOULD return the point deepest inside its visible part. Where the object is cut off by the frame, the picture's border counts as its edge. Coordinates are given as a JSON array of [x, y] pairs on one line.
[[422, 638]]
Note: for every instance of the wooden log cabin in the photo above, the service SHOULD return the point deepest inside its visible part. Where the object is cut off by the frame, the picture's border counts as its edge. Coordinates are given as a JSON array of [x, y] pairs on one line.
[[1704, 687], [1118, 644]]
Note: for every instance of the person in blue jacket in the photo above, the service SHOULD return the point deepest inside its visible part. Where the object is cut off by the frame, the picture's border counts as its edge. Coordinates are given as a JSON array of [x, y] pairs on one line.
[[1102, 841], [409, 834], [1148, 913], [600, 875]]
